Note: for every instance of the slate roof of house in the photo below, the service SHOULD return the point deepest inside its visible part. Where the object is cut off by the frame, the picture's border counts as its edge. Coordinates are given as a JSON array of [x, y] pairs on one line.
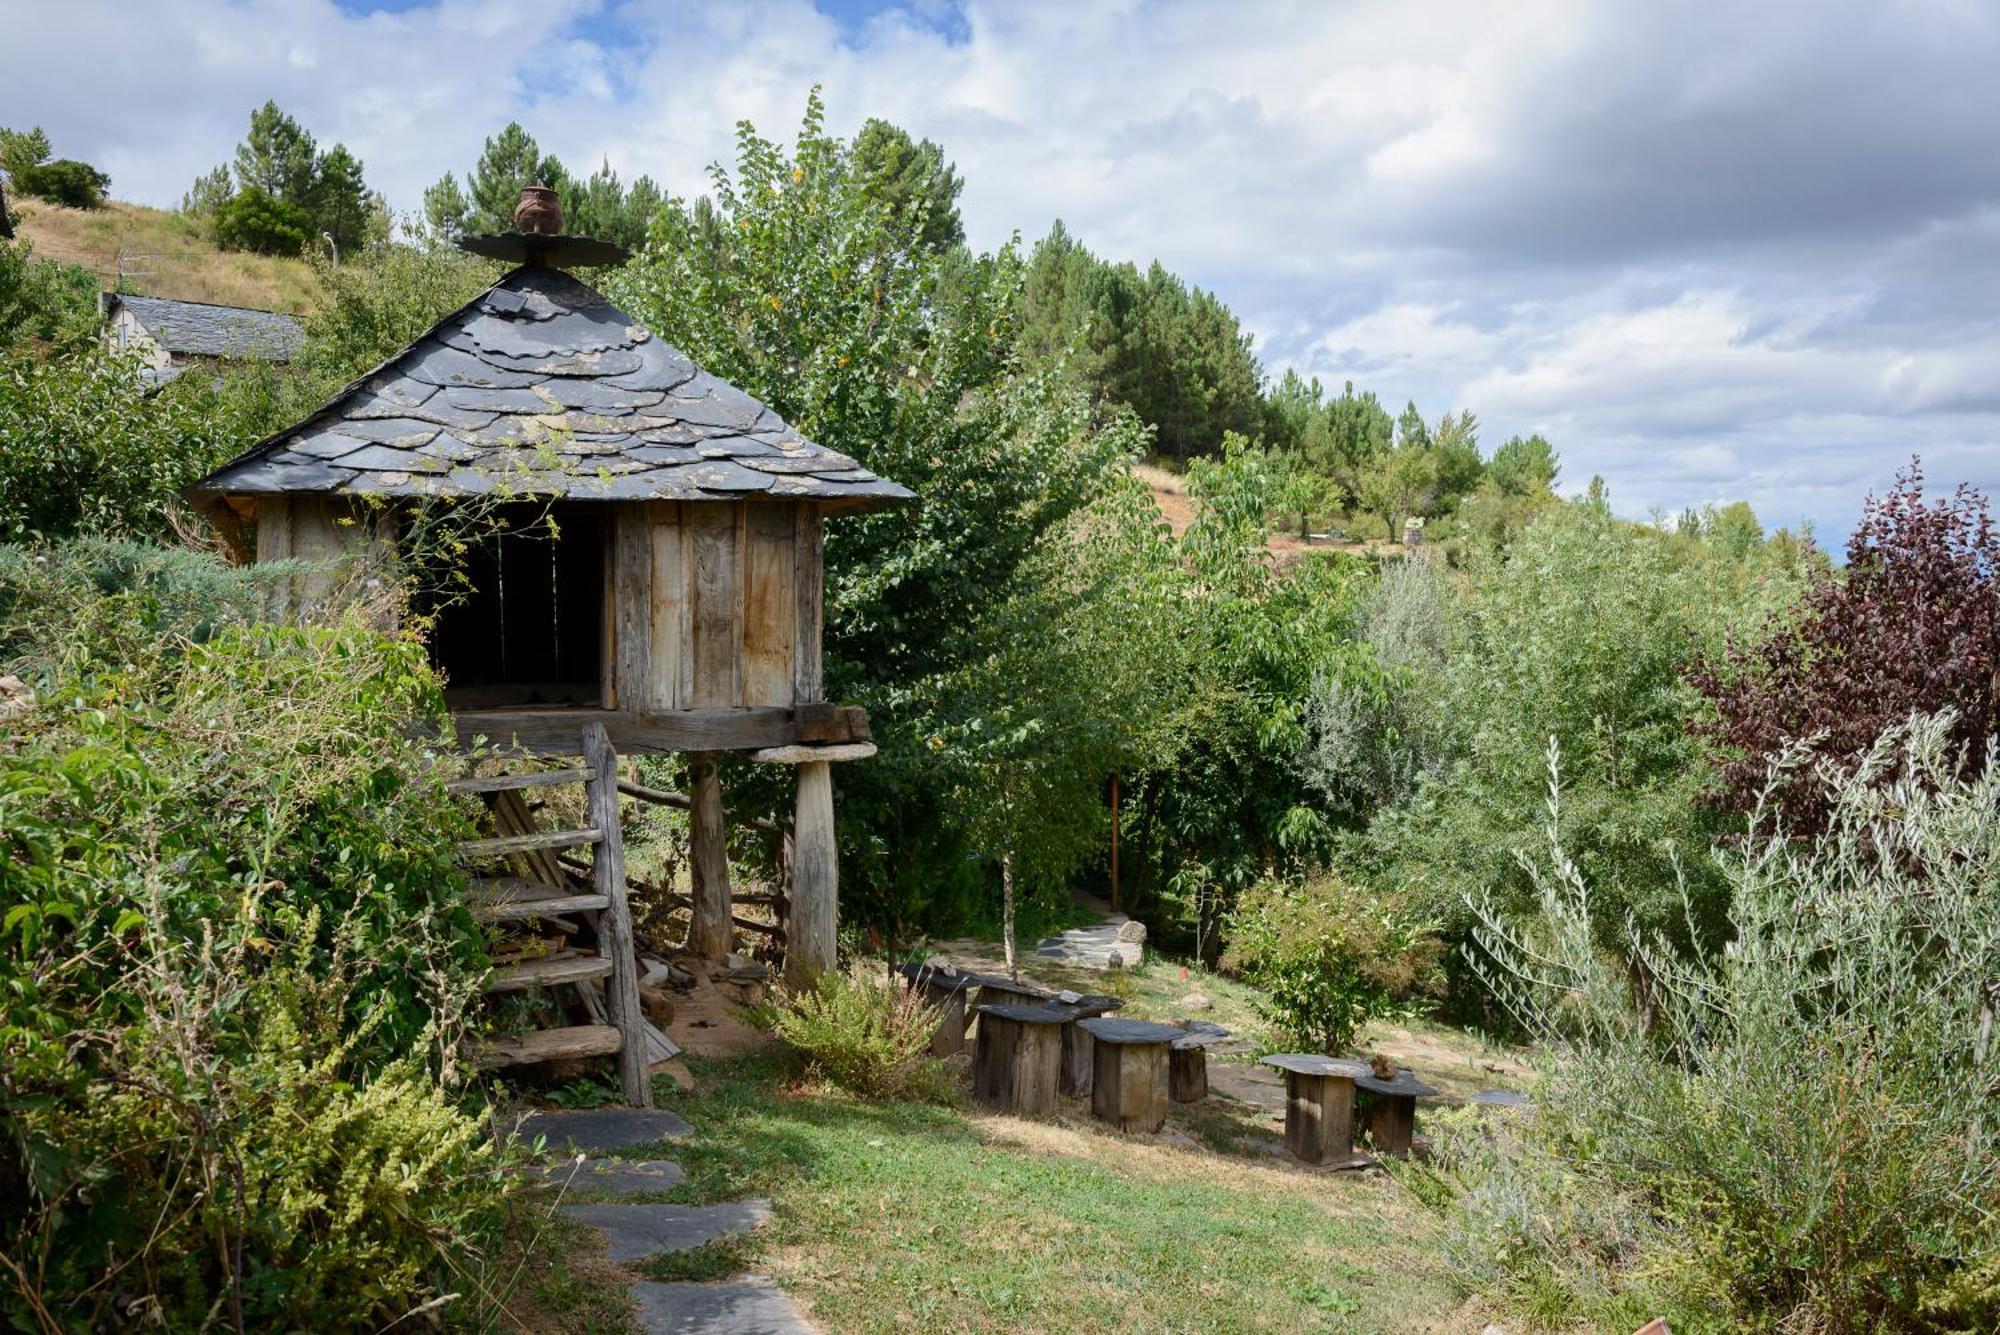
[[539, 386], [195, 328]]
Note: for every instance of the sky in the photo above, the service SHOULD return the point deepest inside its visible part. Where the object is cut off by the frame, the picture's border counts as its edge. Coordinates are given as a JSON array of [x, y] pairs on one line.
[[1714, 252]]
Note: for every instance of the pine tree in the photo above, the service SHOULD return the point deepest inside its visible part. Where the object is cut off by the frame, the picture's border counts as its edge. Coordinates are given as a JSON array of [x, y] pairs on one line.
[[910, 177], [445, 207], [510, 160], [278, 157], [341, 205]]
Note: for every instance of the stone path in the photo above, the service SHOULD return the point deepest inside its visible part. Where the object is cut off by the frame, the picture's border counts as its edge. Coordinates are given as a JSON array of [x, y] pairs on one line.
[[634, 1231], [1093, 947]]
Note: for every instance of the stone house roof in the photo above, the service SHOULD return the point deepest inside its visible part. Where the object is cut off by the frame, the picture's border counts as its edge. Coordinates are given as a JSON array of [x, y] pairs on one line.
[[198, 329], [539, 386]]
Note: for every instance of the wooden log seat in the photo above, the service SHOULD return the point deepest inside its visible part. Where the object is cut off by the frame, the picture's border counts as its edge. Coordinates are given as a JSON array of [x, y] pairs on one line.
[[947, 989], [997, 989], [1187, 1060], [1389, 1109], [1014, 1064], [1076, 1042], [1319, 1105], [1128, 1072]]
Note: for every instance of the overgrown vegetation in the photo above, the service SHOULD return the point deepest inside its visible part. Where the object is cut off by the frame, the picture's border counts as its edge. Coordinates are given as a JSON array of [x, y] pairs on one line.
[[1799, 1130], [866, 1032], [237, 956]]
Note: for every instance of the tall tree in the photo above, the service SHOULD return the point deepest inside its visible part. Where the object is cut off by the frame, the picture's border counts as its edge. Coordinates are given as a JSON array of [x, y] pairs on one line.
[[912, 178], [446, 208], [1524, 467], [278, 157], [510, 160], [341, 202]]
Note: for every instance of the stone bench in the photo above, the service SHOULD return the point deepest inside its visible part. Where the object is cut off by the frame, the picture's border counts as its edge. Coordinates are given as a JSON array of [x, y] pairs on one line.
[[1187, 1060], [1389, 1109], [1016, 1058], [947, 990], [1128, 1072], [1319, 1104]]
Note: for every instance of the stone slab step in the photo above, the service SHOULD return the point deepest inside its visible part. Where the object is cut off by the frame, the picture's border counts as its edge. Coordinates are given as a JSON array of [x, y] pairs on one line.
[[634, 1232], [598, 1130], [609, 1177], [749, 1305]]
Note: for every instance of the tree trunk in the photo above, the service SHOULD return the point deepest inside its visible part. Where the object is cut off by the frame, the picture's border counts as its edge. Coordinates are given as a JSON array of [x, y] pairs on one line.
[[1007, 912]]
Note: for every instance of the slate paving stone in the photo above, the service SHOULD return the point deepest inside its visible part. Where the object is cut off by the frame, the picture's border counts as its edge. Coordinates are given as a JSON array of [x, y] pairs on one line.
[[751, 1305], [611, 1177], [598, 1129], [634, 1232]]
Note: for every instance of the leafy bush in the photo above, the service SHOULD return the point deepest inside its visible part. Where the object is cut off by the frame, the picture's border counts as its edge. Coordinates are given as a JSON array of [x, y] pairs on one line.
[[235, 962], [254, 220], [1808, 1118], [44, 301], [87, 443], [866, 1033], [65, 181], [1329, 958], [1912, 625]]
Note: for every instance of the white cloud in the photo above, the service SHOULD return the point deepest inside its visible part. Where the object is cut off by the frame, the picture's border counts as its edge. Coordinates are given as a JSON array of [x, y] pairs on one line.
[[1711, 249]]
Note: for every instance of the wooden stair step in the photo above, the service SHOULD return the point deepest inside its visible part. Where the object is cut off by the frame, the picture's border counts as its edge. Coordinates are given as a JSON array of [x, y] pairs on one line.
[[522, 909], [525, 843], [547, 973], [501, 783], [581, 1040]]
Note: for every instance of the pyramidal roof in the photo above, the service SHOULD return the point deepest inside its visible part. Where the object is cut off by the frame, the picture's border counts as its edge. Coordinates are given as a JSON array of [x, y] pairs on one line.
[[540, 387]]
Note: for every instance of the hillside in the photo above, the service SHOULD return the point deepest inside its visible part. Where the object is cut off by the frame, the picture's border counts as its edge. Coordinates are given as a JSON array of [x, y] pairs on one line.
[[160, 254]]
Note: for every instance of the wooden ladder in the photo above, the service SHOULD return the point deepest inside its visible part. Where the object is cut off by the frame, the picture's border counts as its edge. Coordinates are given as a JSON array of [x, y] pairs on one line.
[[544, 893]]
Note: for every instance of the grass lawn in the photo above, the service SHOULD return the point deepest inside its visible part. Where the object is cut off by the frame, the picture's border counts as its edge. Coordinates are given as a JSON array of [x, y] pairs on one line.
[[891, 1216]]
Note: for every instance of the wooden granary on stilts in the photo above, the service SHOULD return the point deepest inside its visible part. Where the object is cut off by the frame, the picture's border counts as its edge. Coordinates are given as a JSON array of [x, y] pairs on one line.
[[678, 610]]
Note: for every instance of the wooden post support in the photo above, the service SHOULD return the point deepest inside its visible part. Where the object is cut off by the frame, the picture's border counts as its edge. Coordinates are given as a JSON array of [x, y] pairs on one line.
[[614, 921], [1128, 1076], [1078, 1055], [813, 920], [810, 943], [946, 991], [1319, 1105], [1187, 1074], [710, 933], [1014, 1064], [1390, 1109], [1188, 1066]]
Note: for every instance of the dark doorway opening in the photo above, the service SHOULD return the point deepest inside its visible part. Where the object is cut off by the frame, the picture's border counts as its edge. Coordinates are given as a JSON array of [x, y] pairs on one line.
[[530, 628]]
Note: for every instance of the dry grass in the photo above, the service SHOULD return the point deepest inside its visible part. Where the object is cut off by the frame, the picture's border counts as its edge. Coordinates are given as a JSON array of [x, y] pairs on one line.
[[161, 254]]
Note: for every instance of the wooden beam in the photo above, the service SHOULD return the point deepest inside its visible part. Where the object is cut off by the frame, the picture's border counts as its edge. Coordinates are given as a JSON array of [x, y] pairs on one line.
[[546, 973], [709, 934], [808, 578], [614, 924], [498, 783], [801, 755], [555, 732], [632, 595], [544, 1045], [523, 843]]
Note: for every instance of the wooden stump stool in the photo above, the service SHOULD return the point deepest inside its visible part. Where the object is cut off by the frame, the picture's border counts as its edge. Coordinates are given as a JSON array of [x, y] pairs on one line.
[[1187, 1061], [1389, 1109], [1319, 1104], [1076, 1042], [947, 991], [1014, 1064], [1128, 1072]]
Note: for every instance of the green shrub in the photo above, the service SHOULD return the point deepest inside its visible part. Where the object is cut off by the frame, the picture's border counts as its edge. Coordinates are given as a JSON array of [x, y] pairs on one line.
[[65, 181], [235, 961], [1329, 957], [866, 1033], [1811, 1119], [254, 220], [43, 301]]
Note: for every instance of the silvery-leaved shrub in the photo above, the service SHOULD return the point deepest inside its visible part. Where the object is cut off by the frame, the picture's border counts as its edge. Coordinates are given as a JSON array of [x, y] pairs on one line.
[[1811, 1118]]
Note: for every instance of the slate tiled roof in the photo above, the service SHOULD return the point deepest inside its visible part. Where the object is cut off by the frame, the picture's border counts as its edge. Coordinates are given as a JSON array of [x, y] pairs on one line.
[[197, 329], [539, 386]]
